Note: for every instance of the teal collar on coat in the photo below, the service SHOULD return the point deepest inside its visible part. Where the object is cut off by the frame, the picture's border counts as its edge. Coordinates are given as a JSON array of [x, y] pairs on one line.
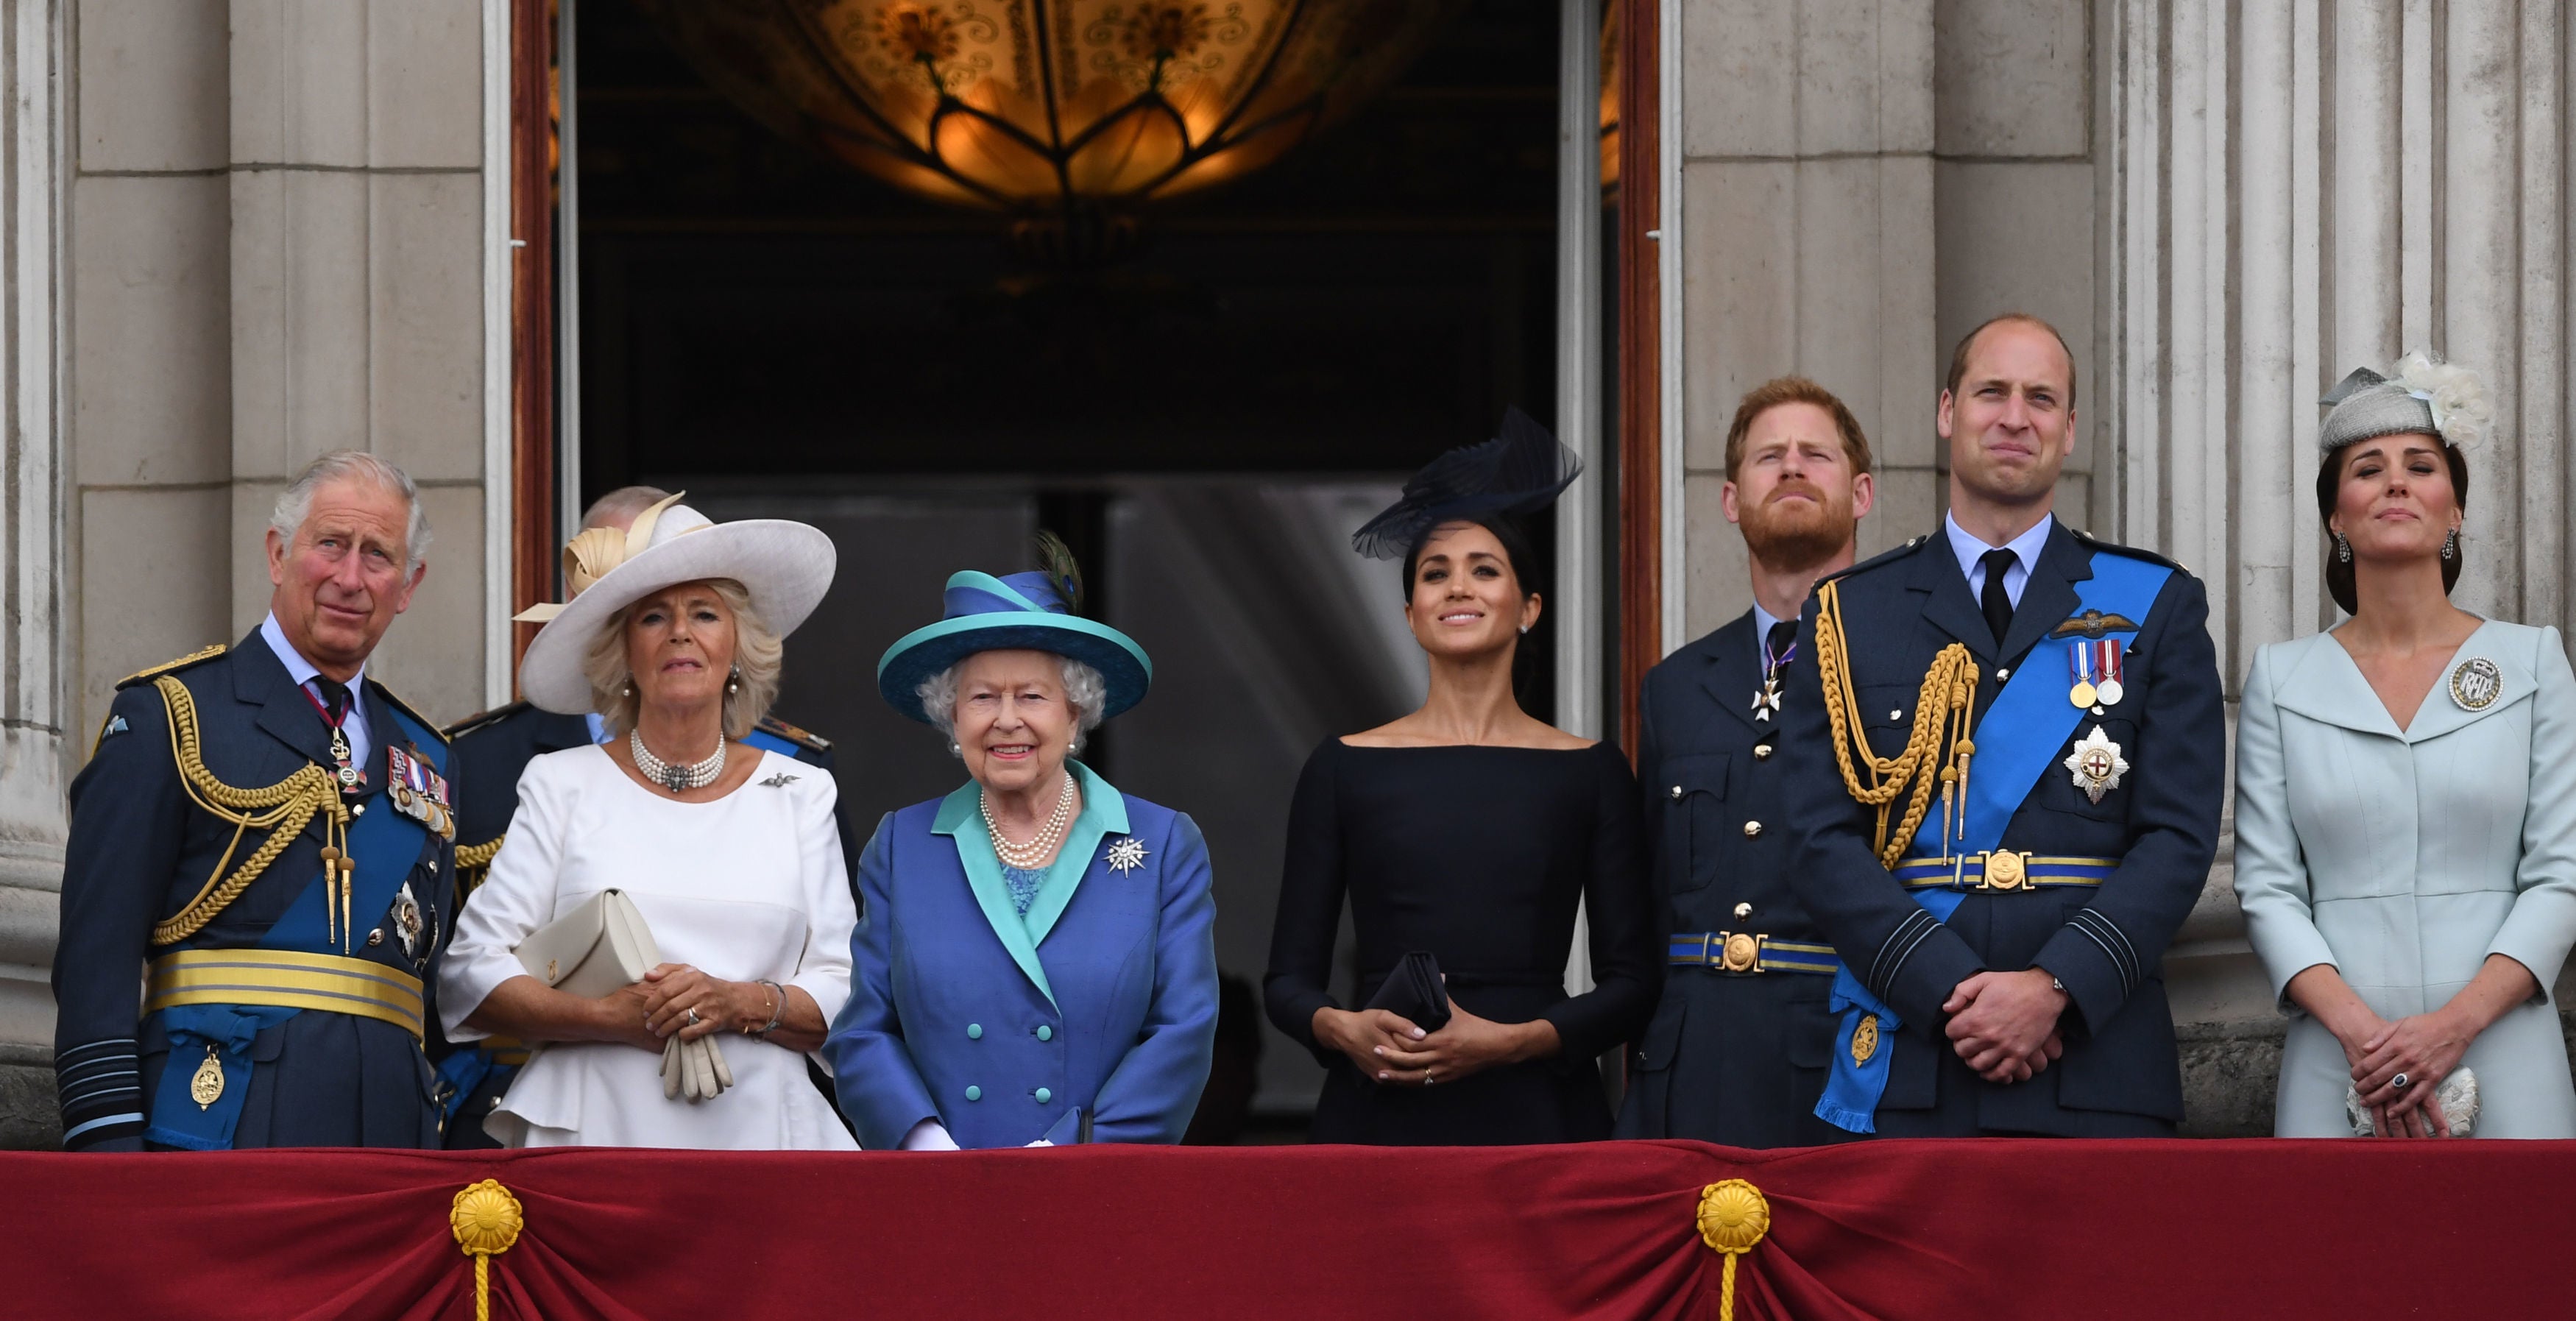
[[961, 818]]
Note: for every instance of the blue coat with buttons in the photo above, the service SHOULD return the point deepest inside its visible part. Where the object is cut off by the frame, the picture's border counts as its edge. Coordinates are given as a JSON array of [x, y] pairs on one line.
[[1100, 1002]]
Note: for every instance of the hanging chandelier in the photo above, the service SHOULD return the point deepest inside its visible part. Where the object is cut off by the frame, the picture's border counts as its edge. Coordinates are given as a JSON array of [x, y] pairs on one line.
[[1054, 110]]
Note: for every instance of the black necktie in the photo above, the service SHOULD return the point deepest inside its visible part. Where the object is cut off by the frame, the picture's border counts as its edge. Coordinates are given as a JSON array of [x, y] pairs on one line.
[[335, 698], [1996, 602], [1776, 644]]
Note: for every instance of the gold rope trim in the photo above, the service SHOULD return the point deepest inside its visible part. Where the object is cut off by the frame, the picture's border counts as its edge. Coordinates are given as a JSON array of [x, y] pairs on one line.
[[486, 1221], [1733, 1217], [474, 865], [1942, 711], [282, 809]]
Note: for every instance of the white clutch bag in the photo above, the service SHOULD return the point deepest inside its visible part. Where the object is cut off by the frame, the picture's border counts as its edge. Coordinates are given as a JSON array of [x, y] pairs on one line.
[[2457, 1095], [594, 950], [604, 947]]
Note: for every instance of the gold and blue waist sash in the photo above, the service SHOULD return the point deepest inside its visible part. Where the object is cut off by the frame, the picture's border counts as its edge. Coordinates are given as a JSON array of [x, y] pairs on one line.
[[287, 979], [2003, 870], [1744, 952]]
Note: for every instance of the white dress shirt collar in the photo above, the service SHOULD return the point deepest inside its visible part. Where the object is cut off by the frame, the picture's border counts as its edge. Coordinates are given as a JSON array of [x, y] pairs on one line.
[[304, 672], [1971, 550]]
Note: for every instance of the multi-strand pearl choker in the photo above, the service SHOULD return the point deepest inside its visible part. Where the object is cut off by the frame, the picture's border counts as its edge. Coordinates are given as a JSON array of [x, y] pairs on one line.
[[674, 777], [1032, 855]]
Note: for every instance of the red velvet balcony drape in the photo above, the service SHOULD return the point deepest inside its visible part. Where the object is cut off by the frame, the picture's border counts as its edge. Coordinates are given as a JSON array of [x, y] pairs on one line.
[[1894, 1229]]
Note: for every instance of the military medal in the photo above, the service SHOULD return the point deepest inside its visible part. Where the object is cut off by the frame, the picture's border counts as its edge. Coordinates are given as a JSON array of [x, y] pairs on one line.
[[2096, 764], [419, 792], [206, 1085], [348, 774], [1766, 702], [407, 922], [2476, 683], [2095, 666]]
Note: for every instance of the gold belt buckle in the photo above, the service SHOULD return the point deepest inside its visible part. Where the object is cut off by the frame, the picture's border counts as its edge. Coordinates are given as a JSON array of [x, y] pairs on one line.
[[2006, 870], [1742, 952]]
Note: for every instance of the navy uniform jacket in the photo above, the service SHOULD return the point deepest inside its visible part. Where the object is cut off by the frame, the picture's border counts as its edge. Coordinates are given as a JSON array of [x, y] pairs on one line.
[[2121, 1074], [140, 851], [1733, 1058], [498, 744]]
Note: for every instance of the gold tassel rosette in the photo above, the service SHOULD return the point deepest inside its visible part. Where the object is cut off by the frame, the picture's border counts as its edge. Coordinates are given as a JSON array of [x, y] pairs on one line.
[[1943, 710], [486, 1220], [1733, 1217]]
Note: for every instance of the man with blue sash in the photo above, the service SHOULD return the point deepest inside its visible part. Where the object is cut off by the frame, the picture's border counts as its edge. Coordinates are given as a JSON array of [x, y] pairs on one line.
[[260, 873], [1738, 1049], [495, 746], [2008, 760]]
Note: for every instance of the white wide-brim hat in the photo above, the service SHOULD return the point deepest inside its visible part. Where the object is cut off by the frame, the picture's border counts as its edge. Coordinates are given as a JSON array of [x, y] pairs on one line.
[[786, 566]]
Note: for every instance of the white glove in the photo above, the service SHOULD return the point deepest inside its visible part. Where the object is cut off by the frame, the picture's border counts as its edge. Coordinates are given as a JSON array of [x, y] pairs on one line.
[[930, 1135]]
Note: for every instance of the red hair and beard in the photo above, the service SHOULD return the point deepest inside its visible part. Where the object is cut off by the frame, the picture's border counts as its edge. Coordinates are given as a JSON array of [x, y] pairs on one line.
[[1790, 535]]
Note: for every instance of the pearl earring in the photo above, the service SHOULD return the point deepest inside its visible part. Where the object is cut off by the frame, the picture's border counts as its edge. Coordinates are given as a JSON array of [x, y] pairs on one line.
[[2343, 550], [627, 691], [733, 683], [954, 750]]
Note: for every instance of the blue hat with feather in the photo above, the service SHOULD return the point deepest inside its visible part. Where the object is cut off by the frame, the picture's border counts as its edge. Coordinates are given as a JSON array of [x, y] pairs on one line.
[[1031, 611]]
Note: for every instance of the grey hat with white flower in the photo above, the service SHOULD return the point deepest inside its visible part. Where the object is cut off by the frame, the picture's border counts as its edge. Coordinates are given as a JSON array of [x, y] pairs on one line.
[[2421, 393]]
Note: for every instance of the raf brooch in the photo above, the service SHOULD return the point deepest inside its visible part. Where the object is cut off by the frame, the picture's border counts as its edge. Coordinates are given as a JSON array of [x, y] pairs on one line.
[[2475, 684], [779, 781], [1126, 854], [2096, 764]]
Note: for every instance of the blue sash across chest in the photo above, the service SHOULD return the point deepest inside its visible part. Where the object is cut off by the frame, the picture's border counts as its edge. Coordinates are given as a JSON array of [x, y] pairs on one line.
[[213, 1003], [2018, 740]]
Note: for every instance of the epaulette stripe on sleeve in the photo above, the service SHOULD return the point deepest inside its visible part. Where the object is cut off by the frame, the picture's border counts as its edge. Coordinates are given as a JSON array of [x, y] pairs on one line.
[[481, 719], [166, 667], [795, 735]]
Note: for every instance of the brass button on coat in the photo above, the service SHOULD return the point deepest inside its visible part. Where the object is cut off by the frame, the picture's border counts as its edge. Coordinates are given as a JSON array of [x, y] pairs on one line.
[[1677, 792], [1752, 828], [1761, 752]]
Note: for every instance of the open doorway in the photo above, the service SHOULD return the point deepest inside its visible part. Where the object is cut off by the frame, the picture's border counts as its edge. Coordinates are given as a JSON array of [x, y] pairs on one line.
[[1205, 414]]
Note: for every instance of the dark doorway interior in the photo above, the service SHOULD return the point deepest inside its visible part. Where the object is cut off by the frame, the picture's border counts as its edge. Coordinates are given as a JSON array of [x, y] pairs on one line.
[[781, 335]]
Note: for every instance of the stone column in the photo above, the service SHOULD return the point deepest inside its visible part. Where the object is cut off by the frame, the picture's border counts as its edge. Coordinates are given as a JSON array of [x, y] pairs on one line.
[[33, 709], [1807, 246]]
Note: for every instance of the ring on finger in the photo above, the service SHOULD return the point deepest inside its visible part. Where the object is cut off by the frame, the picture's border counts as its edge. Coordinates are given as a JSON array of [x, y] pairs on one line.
[[2399, 1082], [693, 1017], [1427, 1079]]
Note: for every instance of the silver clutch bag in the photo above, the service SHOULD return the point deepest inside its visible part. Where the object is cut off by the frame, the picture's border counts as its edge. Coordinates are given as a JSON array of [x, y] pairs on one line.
[[594, 950], [2457, 1095], [604, 947]]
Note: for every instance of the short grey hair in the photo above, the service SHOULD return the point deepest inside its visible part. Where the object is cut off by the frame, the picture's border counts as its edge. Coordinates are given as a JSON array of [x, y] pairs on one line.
[[625, 501], [295, 503], [1084, 690], [759, 657]]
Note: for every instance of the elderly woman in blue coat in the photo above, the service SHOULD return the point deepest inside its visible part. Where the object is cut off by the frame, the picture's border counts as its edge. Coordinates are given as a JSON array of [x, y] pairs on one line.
[[1035, 963]]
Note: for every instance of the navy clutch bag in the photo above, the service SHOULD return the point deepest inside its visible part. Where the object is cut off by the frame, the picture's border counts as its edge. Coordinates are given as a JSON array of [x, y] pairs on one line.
[[1415, 992]]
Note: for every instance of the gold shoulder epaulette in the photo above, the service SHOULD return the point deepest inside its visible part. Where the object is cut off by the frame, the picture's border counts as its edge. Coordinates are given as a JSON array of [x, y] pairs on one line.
[[795, 735], [414, 712], [171, 666], [483, 719]]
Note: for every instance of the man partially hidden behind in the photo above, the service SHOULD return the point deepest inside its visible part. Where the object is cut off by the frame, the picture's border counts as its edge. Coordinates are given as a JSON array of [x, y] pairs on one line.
[[497, 745], [262, 842], [1737, 1049], [2005, 765]]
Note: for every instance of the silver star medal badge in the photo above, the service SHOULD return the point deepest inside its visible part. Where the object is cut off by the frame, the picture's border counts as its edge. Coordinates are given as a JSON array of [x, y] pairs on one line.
[[2096, 764], [1767, 702], [1127, 854], [407, 921]]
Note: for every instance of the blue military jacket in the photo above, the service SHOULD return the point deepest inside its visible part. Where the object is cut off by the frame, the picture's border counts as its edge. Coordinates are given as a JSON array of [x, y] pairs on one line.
[[1101, 1002], [2105, 944], [141, 850], [1732, 1058]]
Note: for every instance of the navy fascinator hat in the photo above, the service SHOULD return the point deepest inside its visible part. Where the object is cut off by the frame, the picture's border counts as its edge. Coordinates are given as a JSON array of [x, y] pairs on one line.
[[1520, 471]]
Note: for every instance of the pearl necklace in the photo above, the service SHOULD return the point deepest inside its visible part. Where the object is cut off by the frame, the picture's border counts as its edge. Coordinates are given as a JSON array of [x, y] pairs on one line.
[[671, 776], [1029, 856]]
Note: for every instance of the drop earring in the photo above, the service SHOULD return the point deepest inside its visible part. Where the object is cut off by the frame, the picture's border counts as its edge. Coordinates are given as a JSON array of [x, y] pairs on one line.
[[2343, 550], [733, 683], [627, 691], [2451, 545]]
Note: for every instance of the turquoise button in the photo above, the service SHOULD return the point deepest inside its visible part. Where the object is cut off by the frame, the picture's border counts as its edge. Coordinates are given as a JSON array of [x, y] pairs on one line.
[[974, 1032], [1045, 1033], [1045, 1096], [974, 1093]]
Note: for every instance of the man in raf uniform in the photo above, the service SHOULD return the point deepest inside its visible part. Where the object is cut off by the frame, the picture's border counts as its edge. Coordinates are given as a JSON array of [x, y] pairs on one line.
[[1737, 1050], [498, 744], [263, 841], [2006, 763]]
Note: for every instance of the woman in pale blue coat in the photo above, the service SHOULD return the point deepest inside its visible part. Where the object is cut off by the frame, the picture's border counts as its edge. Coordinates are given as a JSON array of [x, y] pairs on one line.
[[1035, 960], [2406, 800]]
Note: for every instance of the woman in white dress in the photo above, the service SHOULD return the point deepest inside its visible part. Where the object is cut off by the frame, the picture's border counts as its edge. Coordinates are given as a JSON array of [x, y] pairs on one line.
[[2406, 801], [729, 853]]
